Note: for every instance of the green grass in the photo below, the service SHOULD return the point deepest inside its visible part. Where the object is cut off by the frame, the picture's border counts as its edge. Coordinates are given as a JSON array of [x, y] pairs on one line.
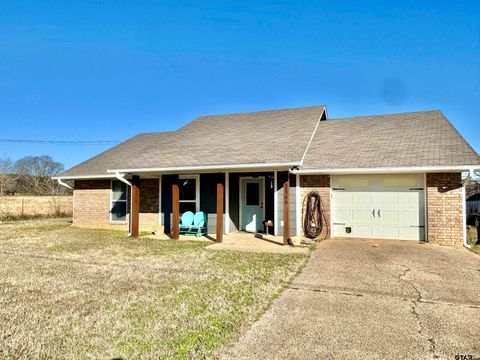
[[77, 293], [473, 239]]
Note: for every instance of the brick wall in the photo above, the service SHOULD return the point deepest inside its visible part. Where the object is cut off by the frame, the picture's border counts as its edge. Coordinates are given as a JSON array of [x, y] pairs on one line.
[[91, 205], [321, 184], [148, 204], [445, 209]]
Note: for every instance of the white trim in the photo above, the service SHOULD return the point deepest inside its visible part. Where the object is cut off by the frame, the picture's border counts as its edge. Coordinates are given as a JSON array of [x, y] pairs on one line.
[[227, 203], [61, 182], [121, 177], [126, 202], [79, 177], [275, 204], [197, 190], [383, 170], [204, 167], [312, 136], [326, 112], [464, 202], [240, 196], [160, 200], [298, 215]]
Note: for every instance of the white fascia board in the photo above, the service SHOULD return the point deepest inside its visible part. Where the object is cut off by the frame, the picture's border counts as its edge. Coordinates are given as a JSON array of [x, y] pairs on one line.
[[385, 170], [79, 177], [205, 167]]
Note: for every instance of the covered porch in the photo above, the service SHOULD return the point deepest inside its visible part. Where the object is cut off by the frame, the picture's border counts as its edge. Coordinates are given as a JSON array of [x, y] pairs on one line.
[[236, 202]]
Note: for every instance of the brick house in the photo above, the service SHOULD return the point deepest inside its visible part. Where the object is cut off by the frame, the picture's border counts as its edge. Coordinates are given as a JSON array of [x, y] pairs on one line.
[[396, 176]]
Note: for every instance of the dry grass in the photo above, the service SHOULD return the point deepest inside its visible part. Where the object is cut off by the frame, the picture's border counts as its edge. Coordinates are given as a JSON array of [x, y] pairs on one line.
[[22, 207], [72, 293]]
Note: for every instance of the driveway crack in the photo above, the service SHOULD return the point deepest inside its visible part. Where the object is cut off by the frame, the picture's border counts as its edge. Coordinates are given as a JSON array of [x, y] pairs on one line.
[[413, 306], [326, 291]]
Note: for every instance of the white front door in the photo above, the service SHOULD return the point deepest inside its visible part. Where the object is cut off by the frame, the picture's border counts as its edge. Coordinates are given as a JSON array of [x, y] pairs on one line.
[[251, 205], [378, 206]]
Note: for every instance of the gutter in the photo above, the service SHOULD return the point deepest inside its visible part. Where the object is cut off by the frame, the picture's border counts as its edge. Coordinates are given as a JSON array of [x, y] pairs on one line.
[[206, 167], [386, 170], [465, 237], [80, 177], [471, 174]]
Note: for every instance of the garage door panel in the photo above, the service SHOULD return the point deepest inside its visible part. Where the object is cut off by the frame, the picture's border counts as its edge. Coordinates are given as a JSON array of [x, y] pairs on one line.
[[359, 199], [361, 230], [385, 232], [363, 215], [389, 216], [343, 215]]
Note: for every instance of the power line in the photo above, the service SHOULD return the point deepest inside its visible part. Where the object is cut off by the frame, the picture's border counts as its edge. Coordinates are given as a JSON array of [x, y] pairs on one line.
[[60, 142]]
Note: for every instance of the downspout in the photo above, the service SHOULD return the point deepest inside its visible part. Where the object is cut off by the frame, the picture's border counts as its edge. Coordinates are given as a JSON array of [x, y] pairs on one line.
[[61, 182], [121, 177], [471, 173]]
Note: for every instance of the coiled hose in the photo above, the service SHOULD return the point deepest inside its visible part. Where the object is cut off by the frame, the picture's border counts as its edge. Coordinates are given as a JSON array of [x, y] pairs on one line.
[[313, 215]]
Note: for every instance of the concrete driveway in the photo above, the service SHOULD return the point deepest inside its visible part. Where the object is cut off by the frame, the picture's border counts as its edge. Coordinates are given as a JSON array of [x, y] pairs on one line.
[[367, 299]]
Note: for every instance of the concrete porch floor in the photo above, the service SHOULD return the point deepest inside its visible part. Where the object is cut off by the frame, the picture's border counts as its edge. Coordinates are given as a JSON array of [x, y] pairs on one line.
[[243, 241]]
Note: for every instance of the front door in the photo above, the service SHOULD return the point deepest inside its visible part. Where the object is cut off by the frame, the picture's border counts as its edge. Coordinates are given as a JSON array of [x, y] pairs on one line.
[[251, 209]]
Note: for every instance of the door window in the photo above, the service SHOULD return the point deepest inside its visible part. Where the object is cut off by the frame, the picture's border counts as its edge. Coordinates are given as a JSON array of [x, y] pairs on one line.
[[253, 194]]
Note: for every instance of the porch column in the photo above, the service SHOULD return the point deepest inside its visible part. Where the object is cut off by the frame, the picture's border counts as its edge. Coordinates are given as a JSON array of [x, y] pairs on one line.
[[227, 203], [175, 211], [286, 211], [135, 206], [275, 204], [220, 212]]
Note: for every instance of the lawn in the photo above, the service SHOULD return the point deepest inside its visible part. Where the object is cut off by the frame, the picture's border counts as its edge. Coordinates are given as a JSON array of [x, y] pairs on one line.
[[473, 239], [76, 293]]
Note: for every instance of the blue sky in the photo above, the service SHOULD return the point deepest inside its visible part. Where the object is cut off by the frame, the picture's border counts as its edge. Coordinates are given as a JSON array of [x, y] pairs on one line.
[[107, 70]]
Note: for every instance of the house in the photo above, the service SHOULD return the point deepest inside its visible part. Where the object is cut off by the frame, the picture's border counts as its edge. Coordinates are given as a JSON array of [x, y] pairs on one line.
[[395, 176]]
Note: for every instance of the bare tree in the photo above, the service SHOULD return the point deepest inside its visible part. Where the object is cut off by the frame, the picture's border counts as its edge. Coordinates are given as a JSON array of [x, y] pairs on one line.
[[7, 176], [35, 174]]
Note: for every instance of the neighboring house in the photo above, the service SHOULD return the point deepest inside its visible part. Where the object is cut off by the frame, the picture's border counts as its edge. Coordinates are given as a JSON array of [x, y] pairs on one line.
[[394, 176]]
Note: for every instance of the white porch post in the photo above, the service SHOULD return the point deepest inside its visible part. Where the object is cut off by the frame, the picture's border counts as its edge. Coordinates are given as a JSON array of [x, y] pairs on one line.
[[275, 204], [227, 202]]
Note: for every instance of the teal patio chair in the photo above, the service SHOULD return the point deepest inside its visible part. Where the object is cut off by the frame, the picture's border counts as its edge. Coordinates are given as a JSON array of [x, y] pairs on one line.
[[186, 222], [199, 227]]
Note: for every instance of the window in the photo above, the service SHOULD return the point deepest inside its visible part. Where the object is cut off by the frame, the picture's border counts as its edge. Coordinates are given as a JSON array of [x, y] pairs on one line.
[[118, 206], [399, 182], [189, 193], [253, 193]]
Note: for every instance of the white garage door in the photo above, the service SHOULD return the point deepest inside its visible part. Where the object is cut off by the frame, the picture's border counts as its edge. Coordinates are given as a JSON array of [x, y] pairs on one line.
[[378, 206]]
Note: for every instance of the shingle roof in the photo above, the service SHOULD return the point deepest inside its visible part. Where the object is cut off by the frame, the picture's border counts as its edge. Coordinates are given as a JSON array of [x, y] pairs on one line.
[[396, 140], [275, 136], [124, 154]]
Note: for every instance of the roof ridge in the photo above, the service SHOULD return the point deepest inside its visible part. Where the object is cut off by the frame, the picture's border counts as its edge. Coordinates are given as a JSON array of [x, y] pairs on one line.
[[389, 114], [261, 111]]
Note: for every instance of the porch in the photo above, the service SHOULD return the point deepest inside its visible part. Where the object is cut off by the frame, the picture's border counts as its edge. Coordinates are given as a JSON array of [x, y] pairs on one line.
[[255, 202]]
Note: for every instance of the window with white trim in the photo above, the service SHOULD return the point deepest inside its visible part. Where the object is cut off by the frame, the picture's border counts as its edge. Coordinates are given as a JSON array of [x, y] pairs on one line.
[[189, 193], [118, 201]]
